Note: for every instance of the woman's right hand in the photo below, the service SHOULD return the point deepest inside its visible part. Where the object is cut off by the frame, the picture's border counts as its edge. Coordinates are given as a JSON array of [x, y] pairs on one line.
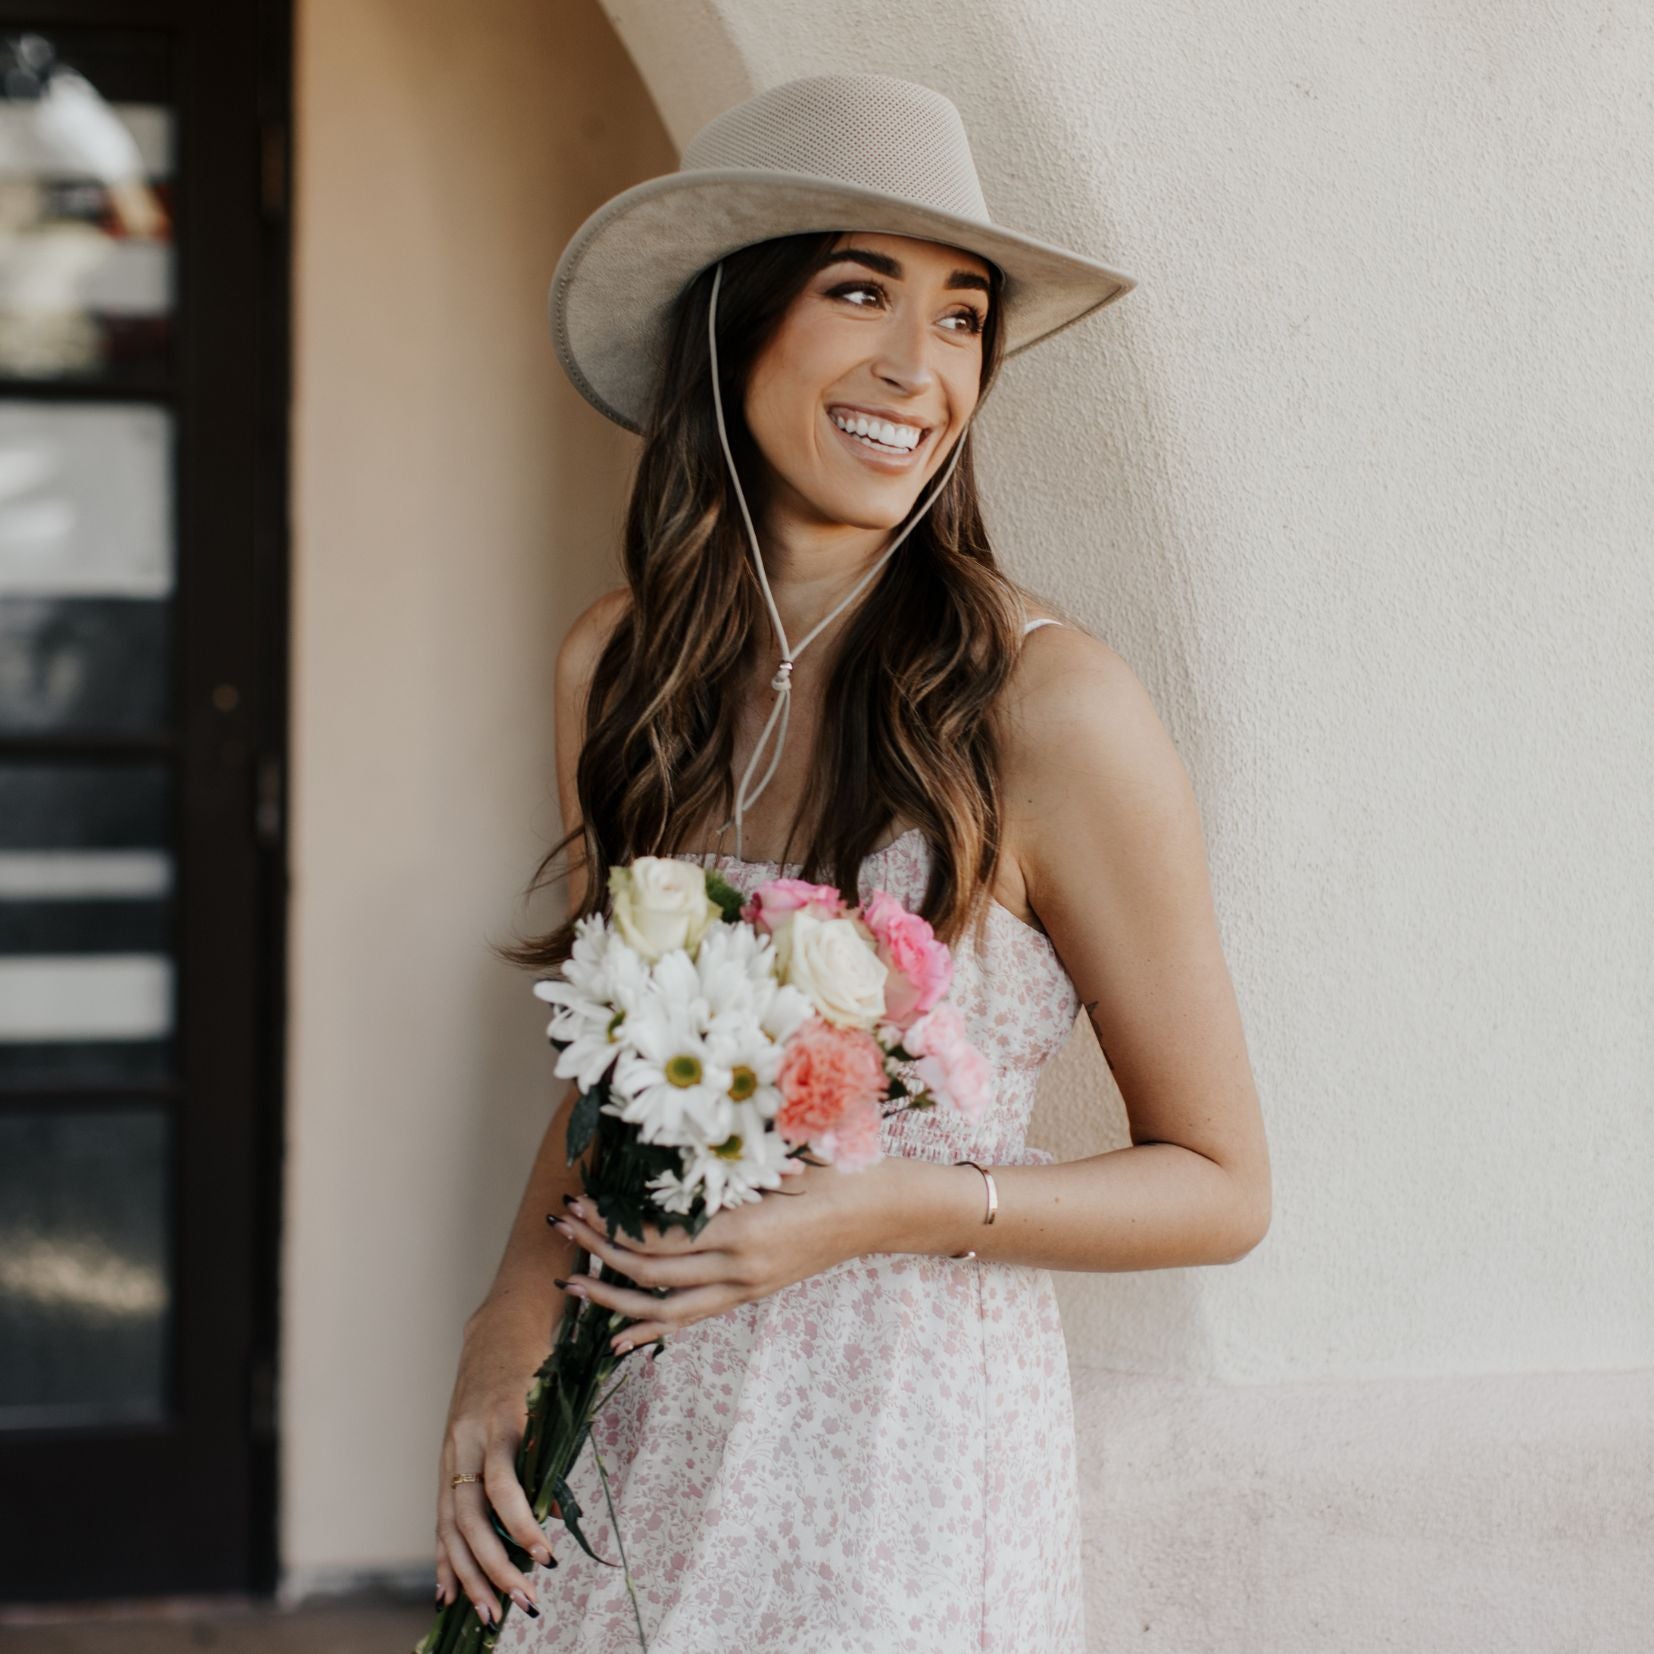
[[486, 1419]]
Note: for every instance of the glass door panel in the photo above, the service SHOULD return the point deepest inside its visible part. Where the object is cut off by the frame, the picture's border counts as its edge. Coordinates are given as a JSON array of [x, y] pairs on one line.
[[87, 973], [86, 186], [85, 1280], [86, 566]]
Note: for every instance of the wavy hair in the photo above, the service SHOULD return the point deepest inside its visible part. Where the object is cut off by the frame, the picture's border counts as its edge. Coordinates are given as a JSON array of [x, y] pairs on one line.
[[907, 728]]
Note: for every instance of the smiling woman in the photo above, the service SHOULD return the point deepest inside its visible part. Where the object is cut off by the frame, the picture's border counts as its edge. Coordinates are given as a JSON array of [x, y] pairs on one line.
[[741, 451], [803, 324]]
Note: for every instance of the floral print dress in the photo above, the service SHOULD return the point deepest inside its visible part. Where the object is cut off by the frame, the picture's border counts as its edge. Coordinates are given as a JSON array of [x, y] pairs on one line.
[[878, 1459]]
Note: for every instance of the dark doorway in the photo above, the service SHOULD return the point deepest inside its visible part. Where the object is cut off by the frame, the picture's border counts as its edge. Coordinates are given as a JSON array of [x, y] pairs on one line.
[[143, 645]]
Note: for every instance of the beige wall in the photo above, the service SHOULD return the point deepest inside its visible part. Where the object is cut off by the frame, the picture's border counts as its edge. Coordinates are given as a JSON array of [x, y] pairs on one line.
[[455, 505], [1351, 479]]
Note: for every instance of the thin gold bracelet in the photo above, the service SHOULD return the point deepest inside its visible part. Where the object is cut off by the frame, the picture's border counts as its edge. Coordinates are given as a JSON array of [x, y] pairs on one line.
[[993, 1202]]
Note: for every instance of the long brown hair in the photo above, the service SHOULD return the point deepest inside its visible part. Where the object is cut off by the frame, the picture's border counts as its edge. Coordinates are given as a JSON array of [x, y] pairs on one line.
[[906, 727]]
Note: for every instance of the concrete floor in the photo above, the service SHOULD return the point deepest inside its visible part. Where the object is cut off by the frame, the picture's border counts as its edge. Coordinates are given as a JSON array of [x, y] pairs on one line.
[[225, 1626]]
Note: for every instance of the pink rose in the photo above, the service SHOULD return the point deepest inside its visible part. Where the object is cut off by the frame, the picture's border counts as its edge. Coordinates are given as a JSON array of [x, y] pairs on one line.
[[921, 968], [773, 900], [948, 1065], [830, 1078]]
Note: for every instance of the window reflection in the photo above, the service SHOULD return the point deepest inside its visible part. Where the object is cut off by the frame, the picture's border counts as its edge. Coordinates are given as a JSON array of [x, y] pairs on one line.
[[87, 983], [85, 1296], [86, 243], [86, 566]]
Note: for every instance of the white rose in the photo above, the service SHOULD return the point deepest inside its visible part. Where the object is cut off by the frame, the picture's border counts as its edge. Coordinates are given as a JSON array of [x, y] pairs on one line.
[[834, 963], [660, 903]]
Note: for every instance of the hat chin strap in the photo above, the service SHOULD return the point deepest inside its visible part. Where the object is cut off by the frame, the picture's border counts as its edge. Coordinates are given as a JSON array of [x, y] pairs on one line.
[[781, 683]]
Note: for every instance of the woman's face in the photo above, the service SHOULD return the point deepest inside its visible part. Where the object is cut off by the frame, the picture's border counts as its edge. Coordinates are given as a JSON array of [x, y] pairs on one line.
[[889, 332]]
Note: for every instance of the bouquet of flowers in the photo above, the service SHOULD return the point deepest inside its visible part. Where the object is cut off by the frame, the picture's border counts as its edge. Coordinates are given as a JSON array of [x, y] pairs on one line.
[[714, 1039]]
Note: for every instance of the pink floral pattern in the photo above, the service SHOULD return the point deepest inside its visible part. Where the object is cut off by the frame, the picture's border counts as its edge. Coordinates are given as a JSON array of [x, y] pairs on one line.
[[879, 1459]]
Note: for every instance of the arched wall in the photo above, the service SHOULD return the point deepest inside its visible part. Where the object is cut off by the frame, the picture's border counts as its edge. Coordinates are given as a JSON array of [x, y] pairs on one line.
[[1357, 480]]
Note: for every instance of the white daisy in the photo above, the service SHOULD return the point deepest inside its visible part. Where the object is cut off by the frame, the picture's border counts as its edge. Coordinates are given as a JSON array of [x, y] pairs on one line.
[[599, 981], [668, 1082], [671, 1192], [739, 1167]]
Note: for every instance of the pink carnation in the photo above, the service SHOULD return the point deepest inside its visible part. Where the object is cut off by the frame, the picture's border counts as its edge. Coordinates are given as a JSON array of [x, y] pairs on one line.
[[773, 900], [853, 1144], [948, 1065], [921, 968], [830, 1078]]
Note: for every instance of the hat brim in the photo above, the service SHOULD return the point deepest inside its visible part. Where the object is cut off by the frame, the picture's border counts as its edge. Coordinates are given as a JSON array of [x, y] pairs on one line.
[[613, 289]]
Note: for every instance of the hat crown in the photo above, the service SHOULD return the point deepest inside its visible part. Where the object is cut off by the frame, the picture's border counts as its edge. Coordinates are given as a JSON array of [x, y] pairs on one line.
[[877, 132]]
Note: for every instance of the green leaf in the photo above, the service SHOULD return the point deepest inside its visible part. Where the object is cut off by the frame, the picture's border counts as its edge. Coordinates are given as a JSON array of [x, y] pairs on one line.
[[730, 900], [572, 1513], [583, 1118]]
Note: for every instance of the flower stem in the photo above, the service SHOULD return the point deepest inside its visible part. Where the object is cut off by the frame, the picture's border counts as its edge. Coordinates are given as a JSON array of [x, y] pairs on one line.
[[614, 1522]]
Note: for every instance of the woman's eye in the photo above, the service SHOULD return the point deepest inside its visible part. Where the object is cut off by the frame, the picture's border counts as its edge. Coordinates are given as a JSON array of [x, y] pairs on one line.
[[969, 316], [857, 287]]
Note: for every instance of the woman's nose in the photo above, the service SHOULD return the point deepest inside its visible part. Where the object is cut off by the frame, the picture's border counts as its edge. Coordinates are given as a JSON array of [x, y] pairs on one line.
[[904, 356]]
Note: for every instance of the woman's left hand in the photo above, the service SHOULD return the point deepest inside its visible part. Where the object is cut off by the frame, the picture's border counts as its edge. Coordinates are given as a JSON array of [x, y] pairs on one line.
[[819, 1217]]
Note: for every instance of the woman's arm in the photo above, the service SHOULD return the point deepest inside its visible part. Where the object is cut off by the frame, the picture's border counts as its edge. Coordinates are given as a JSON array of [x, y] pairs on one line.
[[509, 1334], [534, 1252], [1151, 1206], [506, 1338], [1105, 830]]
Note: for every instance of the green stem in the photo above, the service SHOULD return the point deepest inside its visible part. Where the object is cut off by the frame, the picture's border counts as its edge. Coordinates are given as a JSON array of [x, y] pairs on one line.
[[614, 1521]]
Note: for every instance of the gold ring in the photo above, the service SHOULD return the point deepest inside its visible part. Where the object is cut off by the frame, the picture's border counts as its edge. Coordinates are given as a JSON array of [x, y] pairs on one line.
[[465, 1476]]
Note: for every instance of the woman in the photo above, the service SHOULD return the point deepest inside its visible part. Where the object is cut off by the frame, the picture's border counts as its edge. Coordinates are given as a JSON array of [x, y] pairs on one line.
[[855, 1430]]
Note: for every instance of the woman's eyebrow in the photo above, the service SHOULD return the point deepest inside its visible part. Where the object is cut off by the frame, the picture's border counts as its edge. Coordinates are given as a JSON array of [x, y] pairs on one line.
[[888, 266]]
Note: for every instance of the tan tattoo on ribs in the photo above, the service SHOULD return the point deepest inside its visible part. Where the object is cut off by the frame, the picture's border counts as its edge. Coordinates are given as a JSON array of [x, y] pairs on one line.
[[1090, 1006]]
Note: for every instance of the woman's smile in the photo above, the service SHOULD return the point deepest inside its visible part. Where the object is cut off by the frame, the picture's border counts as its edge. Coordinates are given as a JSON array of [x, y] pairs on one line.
[[870, 452]]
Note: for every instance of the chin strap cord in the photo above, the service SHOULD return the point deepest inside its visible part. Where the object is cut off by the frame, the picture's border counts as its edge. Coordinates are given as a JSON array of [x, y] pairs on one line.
[[781, 683]]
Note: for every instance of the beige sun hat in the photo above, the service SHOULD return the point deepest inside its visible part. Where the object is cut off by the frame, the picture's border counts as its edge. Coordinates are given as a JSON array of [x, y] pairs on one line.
[[848, 152]]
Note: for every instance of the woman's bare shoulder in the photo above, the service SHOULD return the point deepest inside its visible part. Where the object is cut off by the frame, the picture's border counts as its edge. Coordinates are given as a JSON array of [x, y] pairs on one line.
[[587, 637], [1068, 692]]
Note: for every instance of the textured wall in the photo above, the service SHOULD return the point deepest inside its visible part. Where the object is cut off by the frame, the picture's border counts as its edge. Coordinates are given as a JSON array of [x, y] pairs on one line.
[[1357, 479], [1352, 480]]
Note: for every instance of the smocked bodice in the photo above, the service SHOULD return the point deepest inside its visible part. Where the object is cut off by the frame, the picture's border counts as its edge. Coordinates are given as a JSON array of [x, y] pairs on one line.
[[1014, 994]]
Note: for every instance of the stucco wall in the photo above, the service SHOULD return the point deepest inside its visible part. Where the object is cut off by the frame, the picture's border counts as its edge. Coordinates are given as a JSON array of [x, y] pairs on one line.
[[1356, 479], [454, 507]]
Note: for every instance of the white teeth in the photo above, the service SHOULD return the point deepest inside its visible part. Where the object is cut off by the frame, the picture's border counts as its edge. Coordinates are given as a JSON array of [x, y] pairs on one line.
[[902, 438]]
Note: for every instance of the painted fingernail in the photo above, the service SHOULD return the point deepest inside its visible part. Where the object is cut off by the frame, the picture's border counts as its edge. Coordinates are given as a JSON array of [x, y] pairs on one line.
[[563, 1229], [557, 1280], [622, 1346], [543, 1556], [439, 1596], [577, 1288], [523, 1601]]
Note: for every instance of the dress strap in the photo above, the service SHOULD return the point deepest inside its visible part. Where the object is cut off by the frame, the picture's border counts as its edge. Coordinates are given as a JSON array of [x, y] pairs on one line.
[[1040, 620]]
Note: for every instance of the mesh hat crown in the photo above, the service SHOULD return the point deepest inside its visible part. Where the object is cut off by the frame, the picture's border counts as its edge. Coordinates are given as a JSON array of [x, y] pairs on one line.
[[829, 152]]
